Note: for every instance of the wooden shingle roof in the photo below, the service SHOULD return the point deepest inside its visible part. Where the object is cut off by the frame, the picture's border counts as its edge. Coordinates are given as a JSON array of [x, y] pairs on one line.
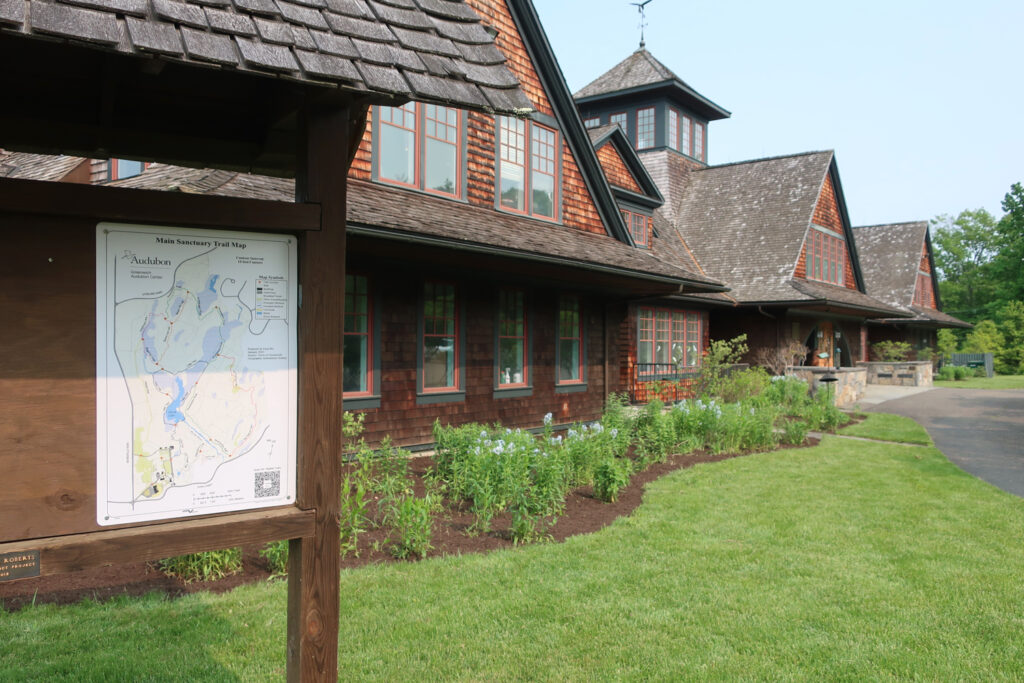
[[428, 50]]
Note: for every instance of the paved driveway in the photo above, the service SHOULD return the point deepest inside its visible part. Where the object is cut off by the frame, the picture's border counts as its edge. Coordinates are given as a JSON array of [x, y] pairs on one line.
[[979, 430]]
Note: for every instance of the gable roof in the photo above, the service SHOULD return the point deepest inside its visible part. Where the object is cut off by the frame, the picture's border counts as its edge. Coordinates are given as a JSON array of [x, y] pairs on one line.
[[392, 213], [612, 134], [891, 259], [641, 72], [746, 224], [430, 50]]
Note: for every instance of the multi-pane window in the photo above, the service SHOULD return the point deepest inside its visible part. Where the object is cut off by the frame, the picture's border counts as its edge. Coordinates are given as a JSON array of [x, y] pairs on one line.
[[592, 122], [673, 129], [513, 364], [639, 227], [419, 146], [620, 119], [645, 128], [924, 294], [527, 167], [826, 257], [570, 341], [668, 340], [358, 342], [440, 338], [698, 141], [686, 140]]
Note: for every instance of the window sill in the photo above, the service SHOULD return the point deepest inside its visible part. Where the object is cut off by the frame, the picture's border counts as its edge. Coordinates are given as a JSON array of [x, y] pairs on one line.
[[523, 214], [412, 188], [440, 397], [513, 392], [571, 388], [360, 402]]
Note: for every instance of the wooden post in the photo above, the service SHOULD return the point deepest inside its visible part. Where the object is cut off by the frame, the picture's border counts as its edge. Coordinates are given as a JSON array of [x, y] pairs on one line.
[[313, 570]]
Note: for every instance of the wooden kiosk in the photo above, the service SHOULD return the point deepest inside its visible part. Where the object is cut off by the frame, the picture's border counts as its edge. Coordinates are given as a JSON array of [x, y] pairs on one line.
[[195, 84]]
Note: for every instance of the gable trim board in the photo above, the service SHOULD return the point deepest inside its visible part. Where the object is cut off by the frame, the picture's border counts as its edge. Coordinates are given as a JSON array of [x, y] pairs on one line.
[[615, 136]]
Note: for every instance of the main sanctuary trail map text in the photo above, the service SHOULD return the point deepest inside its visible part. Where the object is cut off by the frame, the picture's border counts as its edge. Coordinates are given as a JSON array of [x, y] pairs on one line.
[[196, 372]]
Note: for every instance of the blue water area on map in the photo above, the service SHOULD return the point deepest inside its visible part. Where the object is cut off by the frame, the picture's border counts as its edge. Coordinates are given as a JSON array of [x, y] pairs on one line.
[[173, 414], [208, 295], [149, 344]]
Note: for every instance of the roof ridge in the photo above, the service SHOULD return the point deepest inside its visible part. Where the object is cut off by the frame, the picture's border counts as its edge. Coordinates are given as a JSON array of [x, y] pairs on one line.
[[762, 159], [890, 225]]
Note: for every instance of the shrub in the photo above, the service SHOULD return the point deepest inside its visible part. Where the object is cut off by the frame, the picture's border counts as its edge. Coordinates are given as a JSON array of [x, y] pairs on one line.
[[947, 373], [206, 566], [980, 372], [610, 477], [276, 555], [925, 354], [410, 518], [744, 384], [720, 356], [788, 393], [891, 351], [794, 432], [655, 434], [960, 372]]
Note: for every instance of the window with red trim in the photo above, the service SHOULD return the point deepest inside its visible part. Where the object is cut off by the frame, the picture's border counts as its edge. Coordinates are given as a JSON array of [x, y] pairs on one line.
[[358, 338], [673, 129], [826, 257], [526, 145], [668, 340], [118, 169], [698, 141], [592, 122], [419, 146], [570, 341], [645, 128], [513, 363], [687, 139], [621, 119], [639, 227], [440, 338]]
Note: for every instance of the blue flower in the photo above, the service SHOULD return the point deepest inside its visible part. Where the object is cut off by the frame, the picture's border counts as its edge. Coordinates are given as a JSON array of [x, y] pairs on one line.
[[548, 418]]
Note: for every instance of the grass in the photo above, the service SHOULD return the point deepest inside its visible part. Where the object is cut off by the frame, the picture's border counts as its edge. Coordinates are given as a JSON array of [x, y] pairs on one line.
[[887, 427], [996, 382], [853, 560]]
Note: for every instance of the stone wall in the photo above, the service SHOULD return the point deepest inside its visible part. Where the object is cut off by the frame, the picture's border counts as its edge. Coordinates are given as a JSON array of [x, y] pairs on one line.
[[904, 374], [848, 388]]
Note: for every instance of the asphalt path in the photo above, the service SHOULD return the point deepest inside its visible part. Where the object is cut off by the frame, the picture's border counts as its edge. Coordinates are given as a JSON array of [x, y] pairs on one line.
[[979, 430]]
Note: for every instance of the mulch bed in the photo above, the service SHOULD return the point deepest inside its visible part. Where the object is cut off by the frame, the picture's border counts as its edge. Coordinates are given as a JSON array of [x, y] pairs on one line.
[[583, 514]]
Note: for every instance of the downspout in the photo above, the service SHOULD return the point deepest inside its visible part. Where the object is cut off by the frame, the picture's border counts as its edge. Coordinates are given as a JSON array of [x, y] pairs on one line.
[[778, 333]]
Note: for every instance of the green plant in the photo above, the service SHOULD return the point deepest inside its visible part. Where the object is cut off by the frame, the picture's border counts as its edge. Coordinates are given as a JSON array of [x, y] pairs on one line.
[[794, 432], [947, 373], [744, 384], [718, 360], [960, 372], [411, 520], [925, 354], [610, 477], [276, 555], [206, 566], [980, 372], [892, 351], [655, 434]]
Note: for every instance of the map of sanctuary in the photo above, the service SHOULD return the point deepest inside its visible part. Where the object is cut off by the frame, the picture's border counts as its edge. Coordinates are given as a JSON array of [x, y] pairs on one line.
[[196, 403]]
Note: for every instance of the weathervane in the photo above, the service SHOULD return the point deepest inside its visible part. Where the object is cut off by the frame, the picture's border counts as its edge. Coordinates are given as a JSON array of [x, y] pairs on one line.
[[643, 23]]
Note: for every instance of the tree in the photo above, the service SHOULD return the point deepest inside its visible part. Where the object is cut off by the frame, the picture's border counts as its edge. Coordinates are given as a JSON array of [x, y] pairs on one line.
[[947, 343], [1008, 263], [1009, 359], [984, 338], [964, 249]]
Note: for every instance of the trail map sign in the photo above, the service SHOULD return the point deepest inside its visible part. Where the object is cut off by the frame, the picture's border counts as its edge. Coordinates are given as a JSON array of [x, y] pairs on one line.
[[196, 372]]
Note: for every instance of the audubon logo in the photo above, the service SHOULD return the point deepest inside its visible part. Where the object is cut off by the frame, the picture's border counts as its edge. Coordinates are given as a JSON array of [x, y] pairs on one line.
[[136, 260]]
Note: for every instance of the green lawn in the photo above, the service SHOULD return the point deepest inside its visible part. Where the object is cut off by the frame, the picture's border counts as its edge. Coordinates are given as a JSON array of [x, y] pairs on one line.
[[996, 382], [889, 428], [853, 560]]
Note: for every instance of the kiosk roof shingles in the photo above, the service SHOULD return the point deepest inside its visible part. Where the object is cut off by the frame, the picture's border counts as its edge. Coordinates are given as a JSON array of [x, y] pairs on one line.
[[368, 46]]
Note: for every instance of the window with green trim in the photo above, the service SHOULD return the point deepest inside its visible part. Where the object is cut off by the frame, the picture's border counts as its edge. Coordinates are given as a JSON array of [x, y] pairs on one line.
[[570, 340], [358, 338], [440, 371], [513, 346]]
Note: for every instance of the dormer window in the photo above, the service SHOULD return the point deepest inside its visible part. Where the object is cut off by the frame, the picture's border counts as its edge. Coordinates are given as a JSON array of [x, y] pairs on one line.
[[592, 122], [639, 227], [527, 174], [420, 146], [826, 256]]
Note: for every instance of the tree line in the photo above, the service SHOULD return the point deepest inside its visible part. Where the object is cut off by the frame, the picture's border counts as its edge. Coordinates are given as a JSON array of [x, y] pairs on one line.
[[980, 263]]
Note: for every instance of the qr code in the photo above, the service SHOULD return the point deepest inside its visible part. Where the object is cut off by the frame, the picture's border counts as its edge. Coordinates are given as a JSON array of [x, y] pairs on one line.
[[266, 484]]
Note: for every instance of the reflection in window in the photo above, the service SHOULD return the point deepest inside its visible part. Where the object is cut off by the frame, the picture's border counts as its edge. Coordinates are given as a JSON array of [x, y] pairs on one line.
[[419, 146], [440, 337], [526, 145], [358, 343], [513, 368], [570, 341]]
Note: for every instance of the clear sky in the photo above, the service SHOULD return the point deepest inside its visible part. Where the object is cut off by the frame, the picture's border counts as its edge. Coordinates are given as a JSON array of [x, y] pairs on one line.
[[923, 102]]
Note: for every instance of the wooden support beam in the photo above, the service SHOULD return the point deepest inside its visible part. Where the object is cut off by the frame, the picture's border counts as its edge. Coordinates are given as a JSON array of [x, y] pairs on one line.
[[72, 553], [314, 563], [155, 207]]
